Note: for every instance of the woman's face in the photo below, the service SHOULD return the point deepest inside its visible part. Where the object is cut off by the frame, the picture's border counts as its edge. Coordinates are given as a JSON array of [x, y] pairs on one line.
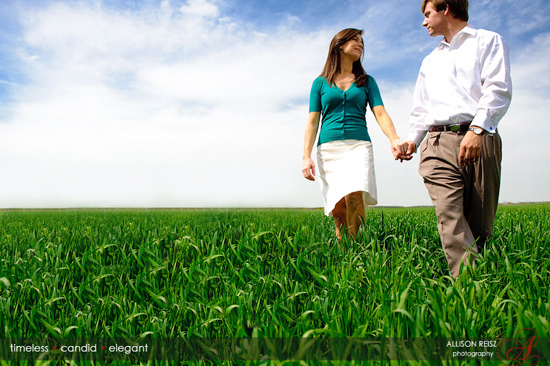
[[353, 48]]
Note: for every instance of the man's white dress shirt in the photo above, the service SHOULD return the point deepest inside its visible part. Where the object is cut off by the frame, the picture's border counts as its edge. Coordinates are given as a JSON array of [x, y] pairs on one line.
[[466, 80]]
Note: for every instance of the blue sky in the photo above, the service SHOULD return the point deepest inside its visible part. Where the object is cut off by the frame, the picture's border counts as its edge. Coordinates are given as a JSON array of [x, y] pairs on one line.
[[204, 102]]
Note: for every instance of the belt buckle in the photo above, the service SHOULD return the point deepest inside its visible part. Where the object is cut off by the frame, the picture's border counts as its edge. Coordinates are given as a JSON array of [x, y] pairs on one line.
[[455, 128]]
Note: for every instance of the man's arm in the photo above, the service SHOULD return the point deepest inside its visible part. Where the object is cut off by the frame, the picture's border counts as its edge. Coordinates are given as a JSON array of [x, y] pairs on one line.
[[495, 100], [419, 113], [496, 90]]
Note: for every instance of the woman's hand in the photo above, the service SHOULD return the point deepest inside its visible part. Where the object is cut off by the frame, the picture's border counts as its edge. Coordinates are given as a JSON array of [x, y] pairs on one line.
[[399, 149], [308, 169], [308, 166]]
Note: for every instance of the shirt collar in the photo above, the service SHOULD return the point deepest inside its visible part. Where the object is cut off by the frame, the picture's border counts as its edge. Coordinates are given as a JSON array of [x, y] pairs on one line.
[[468, 30]]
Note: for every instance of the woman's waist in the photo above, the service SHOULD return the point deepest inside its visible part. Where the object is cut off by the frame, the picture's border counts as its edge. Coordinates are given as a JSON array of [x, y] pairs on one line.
[[328, 135], [347, 120], [346, 126]]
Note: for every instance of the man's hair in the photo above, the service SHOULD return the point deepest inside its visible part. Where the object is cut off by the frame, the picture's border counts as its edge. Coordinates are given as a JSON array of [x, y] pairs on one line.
[[459, 8]]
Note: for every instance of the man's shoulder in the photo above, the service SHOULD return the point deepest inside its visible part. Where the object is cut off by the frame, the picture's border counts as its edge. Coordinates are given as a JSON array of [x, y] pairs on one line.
[[489, 39], [488, 36], [486, 33]]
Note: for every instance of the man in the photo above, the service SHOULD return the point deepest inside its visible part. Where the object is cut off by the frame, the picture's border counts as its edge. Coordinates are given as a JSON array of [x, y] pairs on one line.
[[462, 92]]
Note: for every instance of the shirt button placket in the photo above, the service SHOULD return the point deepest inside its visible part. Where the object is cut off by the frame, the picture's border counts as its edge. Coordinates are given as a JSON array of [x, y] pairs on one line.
[[344, 116]]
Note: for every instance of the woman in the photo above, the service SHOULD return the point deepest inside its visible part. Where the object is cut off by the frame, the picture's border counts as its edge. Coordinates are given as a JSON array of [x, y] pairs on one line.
[[344, 152]]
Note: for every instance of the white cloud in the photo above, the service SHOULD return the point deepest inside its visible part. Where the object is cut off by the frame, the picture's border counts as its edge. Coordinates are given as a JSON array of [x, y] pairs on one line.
[[134, 109], [200, 9], [183, 106], [524, 128], [513, 17]]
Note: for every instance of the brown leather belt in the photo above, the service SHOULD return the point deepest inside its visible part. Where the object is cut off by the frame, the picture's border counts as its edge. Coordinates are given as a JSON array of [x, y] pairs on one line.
[[453, 128]]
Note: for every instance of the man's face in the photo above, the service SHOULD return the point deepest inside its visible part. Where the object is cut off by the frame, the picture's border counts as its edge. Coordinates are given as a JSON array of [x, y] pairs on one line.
[[433, 20]]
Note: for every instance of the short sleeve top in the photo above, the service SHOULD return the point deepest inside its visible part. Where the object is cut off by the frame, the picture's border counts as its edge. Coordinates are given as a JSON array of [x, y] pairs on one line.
[[343, 112]]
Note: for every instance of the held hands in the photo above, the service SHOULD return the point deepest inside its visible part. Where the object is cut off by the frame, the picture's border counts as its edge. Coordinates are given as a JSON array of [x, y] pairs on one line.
[[470, 149], [402, 150], [308, 169]]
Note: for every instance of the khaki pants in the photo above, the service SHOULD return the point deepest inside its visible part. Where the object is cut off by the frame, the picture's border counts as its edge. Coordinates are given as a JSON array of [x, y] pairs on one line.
[[465, 198]]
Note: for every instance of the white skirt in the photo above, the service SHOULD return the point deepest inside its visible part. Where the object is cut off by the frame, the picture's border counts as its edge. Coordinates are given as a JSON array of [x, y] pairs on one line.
[[344, 167]]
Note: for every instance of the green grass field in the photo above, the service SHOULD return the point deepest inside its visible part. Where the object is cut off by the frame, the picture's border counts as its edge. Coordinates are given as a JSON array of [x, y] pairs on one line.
[[252, 274]]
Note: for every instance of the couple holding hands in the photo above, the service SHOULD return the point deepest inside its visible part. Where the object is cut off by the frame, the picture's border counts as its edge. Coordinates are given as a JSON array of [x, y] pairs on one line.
[[462, 91]]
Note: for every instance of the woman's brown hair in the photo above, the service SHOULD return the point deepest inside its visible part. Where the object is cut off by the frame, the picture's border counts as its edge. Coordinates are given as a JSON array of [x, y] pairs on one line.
[[332, 66]]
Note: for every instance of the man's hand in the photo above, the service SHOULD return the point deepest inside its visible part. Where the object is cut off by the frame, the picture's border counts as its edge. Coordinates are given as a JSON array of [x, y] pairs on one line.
[[470, 149], [399, 149], [408, 148]]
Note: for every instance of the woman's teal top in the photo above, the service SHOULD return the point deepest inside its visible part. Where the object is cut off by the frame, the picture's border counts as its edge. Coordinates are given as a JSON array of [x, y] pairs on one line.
[[343, 111]]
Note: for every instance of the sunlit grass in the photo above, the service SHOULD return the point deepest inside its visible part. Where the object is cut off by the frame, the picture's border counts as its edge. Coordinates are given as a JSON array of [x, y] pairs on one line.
[[272, 274]]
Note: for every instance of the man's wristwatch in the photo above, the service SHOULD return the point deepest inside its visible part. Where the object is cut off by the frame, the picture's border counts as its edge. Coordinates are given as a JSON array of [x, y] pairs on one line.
[[477, 130]]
